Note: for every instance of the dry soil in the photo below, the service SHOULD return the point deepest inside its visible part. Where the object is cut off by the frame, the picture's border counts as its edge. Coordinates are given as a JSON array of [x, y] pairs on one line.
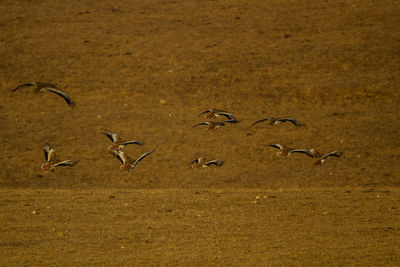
[[146, 70]]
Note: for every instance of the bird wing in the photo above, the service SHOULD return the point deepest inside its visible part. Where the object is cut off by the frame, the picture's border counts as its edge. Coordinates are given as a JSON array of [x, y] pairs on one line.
[[63, 95], [295, 122], [266, 119], [112, 136], [42, 85], [197, 161], [203, 123], [304, 151], [333, 153], [229, 116], [215, 162], [23, 86], [133, 142], [49, 152], [142, 157], [278, 146], [205, 112], [68, 162], [228, 121], [120, 155]]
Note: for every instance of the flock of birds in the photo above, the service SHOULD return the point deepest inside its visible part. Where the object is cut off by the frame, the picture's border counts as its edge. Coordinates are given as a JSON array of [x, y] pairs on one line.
[[117, 148], [285, 151], [51, 161]]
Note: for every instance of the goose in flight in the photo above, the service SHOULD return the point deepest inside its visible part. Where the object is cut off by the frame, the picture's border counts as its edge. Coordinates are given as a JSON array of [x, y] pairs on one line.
[[38, 86], [321, 158], [47, 87], [51, 161], [127, 162], [284, 150], [200, 163], [215, 113], [214, 125], [119, 143], [277, 121]]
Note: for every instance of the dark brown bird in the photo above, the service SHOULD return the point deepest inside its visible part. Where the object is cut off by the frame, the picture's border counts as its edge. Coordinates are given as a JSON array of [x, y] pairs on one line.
[[277, 121], [51, 161], [200, 163], [120, 143], [38, 86], [321, 158], [47, 87], [214, 125], [215, 113], [127, 162], [284, 150]]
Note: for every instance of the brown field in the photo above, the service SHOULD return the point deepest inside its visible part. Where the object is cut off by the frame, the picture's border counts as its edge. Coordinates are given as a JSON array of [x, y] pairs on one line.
[[146, 70]]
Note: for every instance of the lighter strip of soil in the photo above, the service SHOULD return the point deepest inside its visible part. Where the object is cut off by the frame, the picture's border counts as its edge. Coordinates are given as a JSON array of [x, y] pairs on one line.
[[200, 227]]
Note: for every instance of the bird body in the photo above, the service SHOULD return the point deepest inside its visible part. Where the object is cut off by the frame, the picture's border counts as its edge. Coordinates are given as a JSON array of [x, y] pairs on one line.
[[38, 86], [215, 113], [47, 87], [120, 143], [47, 166], [321, 158], [51, 161], [284, 150], [127, 162], [214, 125], [200, 163], [277, 121]]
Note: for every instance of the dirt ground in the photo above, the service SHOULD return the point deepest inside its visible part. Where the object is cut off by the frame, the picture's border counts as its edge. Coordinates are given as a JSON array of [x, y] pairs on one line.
[[146, 70], [200, 227]]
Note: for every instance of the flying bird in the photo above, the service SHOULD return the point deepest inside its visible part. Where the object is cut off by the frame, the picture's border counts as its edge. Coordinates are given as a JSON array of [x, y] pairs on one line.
[[321, 158], [214, 125], [127, 162], [38, 86], [47, 87], [63, 94], [215, 113], [51, 161], [284, 150], [120, 143], [200, 163], [277, 121]]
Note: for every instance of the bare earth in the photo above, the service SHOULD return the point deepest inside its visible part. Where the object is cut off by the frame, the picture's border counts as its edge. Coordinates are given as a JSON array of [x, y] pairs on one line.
[[146, 70]]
